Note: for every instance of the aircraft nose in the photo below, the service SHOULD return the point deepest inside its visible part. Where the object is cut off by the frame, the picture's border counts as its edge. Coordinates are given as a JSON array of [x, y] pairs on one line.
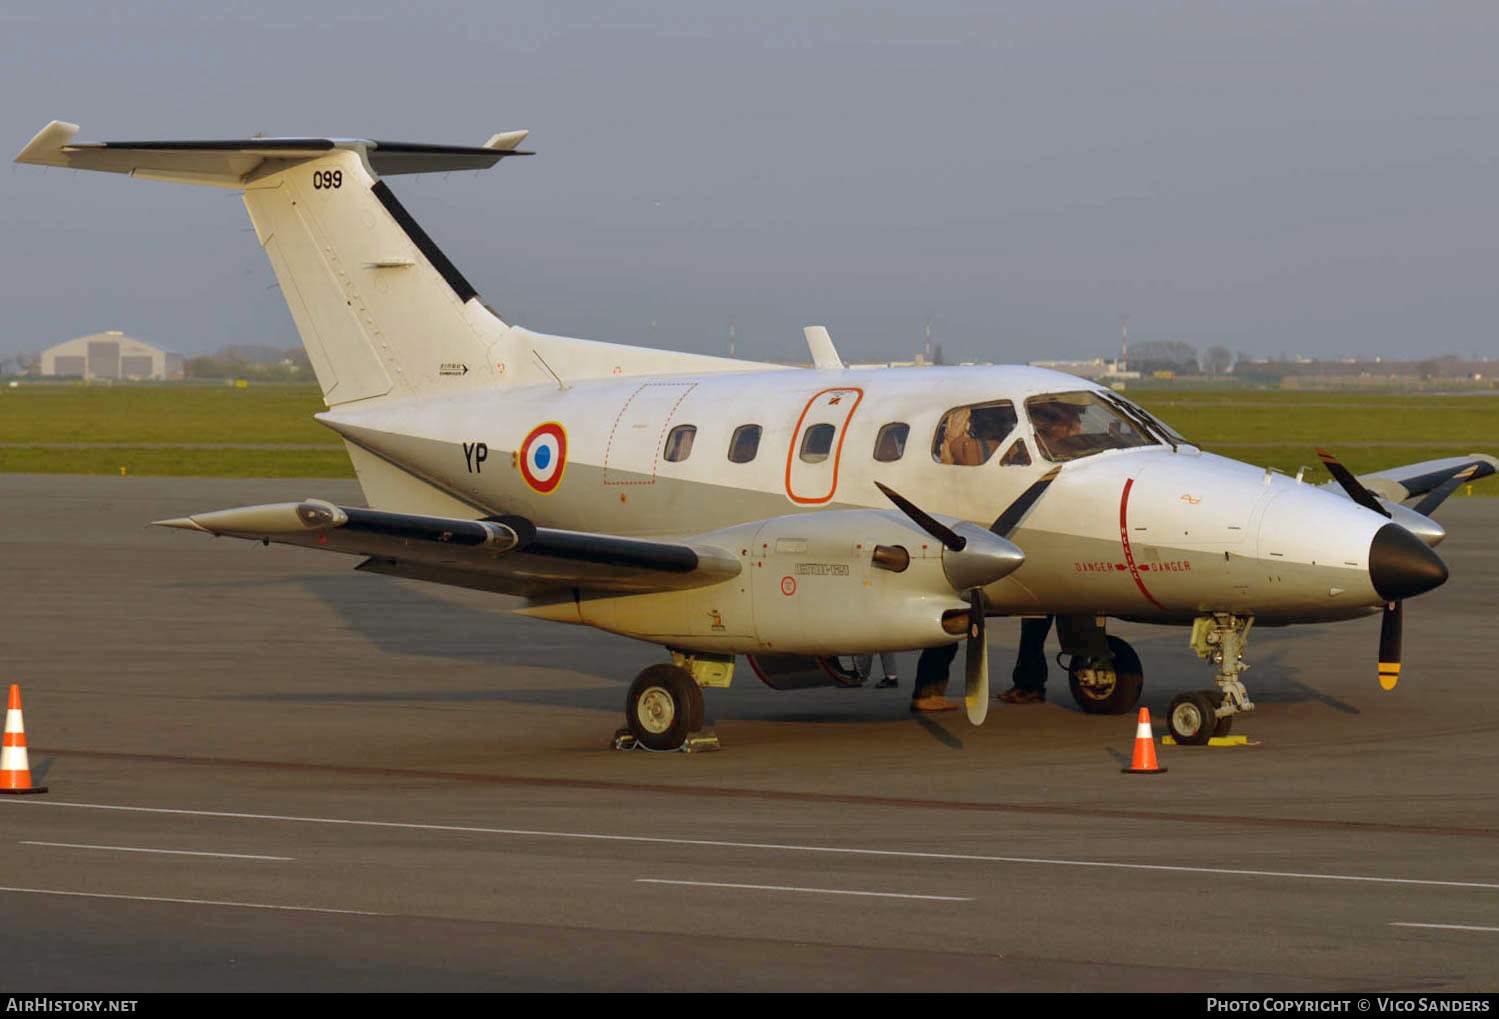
[[1401, 565]]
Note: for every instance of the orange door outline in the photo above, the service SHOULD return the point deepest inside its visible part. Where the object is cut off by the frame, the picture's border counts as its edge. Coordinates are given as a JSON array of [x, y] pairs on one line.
[[796, 438]]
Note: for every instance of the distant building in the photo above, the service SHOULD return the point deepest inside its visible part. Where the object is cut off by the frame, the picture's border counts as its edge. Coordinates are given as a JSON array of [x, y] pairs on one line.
[[110, 355], [1097, 369]]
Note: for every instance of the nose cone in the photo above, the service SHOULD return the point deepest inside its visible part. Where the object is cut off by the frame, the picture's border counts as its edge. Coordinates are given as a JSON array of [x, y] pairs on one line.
[[1401, 565]]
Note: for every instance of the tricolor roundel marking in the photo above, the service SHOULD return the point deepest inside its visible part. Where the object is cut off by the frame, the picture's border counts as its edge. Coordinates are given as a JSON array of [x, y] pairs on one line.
[[543, 457]]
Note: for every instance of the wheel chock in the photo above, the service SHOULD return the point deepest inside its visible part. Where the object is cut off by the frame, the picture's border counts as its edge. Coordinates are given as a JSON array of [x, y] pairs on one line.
[[703, 741], [1217, 741]]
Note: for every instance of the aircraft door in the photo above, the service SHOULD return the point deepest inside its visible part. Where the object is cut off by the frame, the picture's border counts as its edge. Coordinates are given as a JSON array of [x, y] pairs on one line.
[[817, 445], [634, 449]]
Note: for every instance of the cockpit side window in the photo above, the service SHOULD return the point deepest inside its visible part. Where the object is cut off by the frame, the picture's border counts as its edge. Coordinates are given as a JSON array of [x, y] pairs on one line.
[[1073, 425], [1016, 456], [969, 435], [890, 444], [745, 444]]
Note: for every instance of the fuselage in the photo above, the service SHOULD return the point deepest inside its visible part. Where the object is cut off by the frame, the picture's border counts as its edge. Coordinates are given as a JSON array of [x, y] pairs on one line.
[[1150, 530]]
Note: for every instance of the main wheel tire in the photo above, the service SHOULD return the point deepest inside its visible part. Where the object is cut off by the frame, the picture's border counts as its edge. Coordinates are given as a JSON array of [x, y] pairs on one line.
[[1115, 688], [663, 706], [1193, 717]]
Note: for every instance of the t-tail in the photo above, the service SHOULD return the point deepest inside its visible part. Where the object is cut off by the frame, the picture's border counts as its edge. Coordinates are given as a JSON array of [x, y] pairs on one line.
[[381, 311]]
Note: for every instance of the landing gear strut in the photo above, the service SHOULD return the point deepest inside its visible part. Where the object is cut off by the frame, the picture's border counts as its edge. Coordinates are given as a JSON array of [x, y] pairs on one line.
[[1198, 716]]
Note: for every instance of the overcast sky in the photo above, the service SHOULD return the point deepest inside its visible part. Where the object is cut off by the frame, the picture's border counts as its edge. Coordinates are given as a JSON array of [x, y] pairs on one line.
[[1314, 178]]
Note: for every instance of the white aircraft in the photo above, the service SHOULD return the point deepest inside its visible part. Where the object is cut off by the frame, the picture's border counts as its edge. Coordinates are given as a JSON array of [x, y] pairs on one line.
[[720, 507]]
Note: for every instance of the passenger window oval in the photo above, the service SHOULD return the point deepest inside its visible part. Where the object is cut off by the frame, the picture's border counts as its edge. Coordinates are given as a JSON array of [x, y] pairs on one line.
[[745, 444], [817, 443], [679, 443]]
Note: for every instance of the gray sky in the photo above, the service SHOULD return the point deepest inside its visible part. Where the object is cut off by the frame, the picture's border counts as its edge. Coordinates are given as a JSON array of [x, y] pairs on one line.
[[1272, 176]]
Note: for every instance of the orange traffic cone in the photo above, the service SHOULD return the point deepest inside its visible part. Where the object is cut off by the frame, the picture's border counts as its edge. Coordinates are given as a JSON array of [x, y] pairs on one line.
[[15, 773], [1144, 759]]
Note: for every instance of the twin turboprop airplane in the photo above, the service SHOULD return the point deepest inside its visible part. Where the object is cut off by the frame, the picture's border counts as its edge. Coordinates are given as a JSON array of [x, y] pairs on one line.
[[720, 507]]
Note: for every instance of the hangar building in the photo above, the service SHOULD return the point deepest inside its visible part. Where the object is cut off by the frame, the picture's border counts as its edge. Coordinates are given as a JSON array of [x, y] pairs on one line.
[[110, 355]]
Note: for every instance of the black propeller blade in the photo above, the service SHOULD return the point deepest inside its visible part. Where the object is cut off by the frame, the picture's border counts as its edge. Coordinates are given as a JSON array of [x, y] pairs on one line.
[[1389, 645], [1357, 492], [976, 661], [949, 538], [1007, 521]]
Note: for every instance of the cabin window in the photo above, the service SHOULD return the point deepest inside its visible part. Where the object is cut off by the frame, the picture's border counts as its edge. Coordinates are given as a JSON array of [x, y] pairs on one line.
[[679, 443], [817, 443], [1073, 425], [745, 444], [969, 436], [890, 444]]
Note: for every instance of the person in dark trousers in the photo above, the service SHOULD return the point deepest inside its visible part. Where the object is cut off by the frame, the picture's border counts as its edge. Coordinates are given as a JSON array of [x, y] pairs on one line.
[[1029, 676], [931, 679], [1030, 664]]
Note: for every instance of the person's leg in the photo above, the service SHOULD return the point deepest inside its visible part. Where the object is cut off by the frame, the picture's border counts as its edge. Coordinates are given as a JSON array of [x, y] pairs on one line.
[[1030, 663], [931, 679], [887, 663]]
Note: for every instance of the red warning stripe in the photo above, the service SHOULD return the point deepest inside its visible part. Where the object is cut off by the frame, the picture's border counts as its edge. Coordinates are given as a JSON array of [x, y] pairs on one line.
[[1129, 556]]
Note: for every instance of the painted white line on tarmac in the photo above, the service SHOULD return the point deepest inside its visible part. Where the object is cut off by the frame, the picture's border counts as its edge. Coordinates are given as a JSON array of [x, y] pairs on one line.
[[27, 803], [787, 888], [190, 902], [169, 852], [1447, 927]]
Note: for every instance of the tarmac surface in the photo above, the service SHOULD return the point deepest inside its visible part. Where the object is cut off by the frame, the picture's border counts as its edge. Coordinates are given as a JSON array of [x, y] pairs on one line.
[[268, 772]]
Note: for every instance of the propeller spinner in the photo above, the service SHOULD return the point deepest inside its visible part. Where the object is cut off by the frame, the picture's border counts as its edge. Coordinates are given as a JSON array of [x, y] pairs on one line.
[[974, 559]]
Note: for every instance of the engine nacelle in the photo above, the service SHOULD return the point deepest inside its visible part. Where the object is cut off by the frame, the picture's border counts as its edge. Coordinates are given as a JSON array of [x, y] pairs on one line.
[[837, 583]]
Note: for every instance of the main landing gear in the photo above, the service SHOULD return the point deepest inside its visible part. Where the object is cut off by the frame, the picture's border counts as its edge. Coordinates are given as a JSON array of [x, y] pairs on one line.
[[1107, 684], [664, 708], [1198, 715]]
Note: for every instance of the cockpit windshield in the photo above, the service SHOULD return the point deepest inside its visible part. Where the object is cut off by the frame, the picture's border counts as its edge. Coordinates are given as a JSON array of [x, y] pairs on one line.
[[1073, 425]]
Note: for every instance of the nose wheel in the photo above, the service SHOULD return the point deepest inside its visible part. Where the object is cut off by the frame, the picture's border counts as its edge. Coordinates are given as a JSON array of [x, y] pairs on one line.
[[1193, 717], [664, 705]]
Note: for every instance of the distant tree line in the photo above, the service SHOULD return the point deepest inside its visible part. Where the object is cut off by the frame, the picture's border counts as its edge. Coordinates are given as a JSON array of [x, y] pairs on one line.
[[1181, 358], [247, 361]]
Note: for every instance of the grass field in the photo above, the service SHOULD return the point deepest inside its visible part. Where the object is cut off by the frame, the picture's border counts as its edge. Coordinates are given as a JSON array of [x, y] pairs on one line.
[[267, 430]]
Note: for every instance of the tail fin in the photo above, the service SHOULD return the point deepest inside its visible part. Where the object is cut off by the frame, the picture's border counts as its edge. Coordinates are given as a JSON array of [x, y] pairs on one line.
[[380, 309]]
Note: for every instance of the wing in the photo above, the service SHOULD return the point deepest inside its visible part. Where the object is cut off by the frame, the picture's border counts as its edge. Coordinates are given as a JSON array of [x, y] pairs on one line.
[[507, 554], [1401, 483]]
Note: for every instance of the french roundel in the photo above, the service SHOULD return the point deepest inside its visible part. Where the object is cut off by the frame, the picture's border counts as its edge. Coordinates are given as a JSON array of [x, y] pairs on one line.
[[543, 456]]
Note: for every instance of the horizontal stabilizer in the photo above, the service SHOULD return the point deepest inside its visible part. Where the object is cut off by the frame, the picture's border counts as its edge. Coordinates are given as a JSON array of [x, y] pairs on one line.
[[237, 162]]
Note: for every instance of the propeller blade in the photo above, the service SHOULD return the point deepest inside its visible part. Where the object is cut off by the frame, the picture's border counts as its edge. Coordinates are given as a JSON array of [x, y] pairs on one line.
[[1439, 495], [1389, 645], [976, 661], [1357, 492], [947, 536], [1007, 521]]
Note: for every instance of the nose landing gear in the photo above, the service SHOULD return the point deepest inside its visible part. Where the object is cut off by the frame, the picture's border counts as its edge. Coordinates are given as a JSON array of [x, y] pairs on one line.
[[1199, 715]]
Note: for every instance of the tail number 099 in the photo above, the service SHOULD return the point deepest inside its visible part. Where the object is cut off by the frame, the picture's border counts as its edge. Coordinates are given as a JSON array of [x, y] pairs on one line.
[[323, 179]]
